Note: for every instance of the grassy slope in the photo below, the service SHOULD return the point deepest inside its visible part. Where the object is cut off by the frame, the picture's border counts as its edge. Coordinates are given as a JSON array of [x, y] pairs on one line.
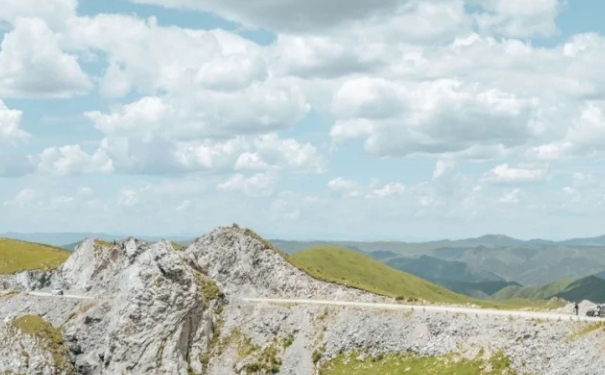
[[588, 288], [405, 364], [17, 256], [353, 269]]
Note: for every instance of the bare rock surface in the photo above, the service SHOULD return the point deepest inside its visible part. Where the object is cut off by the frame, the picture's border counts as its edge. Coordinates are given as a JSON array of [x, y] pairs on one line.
[[243, 266]]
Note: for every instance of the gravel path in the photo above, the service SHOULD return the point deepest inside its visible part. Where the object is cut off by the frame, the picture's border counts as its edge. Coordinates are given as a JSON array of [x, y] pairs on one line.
[[431, 308]]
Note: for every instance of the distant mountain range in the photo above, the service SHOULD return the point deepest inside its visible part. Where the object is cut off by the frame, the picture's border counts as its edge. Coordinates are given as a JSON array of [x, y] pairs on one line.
[[456, 276], [69, 240]]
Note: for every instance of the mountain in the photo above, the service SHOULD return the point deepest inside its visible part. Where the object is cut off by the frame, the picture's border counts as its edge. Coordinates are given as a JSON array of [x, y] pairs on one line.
[[229, 304], [68, 239], [589, 288], [456, 276], [600, 275], [17, 256]]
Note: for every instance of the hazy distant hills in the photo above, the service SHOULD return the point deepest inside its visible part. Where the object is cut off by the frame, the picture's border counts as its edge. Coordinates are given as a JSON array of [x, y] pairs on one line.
[[69, 240], [590, 288], [456, 276], [531, 262]]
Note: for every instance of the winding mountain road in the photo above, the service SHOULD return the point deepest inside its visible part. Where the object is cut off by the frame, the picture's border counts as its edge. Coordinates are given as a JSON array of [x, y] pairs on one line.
[[431, 308]]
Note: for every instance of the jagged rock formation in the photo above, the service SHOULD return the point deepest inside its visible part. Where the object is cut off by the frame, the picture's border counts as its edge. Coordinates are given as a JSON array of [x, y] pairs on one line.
[[243, 265], [159, 310], [149, 314]]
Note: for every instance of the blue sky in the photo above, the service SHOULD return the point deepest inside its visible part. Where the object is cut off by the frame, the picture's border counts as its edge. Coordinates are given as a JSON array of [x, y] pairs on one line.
[[338, 120]]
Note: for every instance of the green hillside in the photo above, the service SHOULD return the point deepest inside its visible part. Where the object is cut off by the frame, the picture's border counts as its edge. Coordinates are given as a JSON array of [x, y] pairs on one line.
[[588, 288], [347, 267], [17, 256]]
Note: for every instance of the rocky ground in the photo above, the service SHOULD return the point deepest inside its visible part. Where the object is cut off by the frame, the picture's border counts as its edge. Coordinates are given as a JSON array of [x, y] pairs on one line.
[[159, 310]]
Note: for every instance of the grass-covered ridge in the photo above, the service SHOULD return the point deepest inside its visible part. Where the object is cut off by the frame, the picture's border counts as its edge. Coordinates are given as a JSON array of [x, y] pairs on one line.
[[18, 256], [343, 266], [353, 269], [405, 364]]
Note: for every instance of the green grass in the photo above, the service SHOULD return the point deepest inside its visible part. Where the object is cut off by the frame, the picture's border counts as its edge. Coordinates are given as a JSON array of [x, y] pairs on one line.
[[339, 265], [592, 327], [18, 256], [49, 338], [406, 364], [349, 268]]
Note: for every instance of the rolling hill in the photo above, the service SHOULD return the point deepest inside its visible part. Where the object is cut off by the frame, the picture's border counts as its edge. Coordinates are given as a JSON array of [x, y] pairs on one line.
[[351, 268], [590, 288], [17, 256], [455, 276], [348, 267]]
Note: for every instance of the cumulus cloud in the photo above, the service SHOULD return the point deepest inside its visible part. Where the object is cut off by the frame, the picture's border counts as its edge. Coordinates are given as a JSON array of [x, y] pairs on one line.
[[198, 59], [345, 188], [518, 18], [288, 15], [257, 109], [431, 117], [388, 190], [503, 174], [256, 186], [54, 12], [72, 160], [9, 125], [511, 197], [32, 64], [584, 138]]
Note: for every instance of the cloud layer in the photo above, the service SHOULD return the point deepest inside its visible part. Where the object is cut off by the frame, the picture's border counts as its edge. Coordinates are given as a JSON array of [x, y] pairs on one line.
[[393, 111]]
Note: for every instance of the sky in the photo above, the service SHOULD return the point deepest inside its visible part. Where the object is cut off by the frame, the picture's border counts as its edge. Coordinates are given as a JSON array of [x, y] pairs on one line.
[[331, 119]]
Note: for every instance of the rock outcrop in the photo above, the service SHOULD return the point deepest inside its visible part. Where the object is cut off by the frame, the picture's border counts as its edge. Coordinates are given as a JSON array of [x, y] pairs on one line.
[[244, 265], [148, 313]]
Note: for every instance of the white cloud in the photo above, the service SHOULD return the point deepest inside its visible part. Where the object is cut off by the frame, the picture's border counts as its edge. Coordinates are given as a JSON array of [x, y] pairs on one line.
[[511, 197], [198, 59], [256, 186], [442, 167], [345, 188], [260, 108], [389, 190], [32, 64], [9, 125], [72, 160], [54, 12], [290, 15], [436, 117], [503, 174], [585, 137], [519, 18]]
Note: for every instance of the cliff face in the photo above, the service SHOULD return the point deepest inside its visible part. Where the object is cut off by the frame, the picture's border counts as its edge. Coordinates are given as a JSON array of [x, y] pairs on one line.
[[146, 311], [136, 308]]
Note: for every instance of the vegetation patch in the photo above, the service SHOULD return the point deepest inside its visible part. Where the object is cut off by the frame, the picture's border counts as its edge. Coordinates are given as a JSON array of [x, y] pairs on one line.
[[267, 361], [267, 244], [18, 256], [48, 338], [593, 327], [406, 364], [100, 246], [177, 246]]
